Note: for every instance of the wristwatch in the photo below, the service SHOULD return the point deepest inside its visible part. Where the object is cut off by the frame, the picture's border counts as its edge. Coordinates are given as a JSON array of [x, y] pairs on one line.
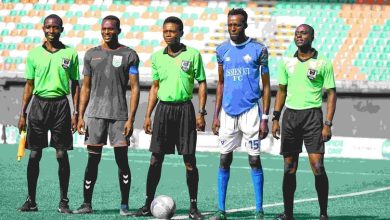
[[276, 116], [328, 123], [202, 112]]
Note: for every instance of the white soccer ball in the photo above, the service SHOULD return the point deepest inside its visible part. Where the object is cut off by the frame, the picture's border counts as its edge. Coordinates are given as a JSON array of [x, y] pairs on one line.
[[163, 207]]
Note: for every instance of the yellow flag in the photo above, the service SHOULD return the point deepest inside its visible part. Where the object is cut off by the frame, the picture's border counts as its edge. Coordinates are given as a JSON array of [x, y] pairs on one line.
[[22, 145]]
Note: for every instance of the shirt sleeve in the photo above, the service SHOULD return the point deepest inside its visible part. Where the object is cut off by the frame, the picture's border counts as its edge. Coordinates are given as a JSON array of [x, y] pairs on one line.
[[219, 55], [263, 61], [282, 73], [134, 64], [155, 75], [30, 69], [329, 76], [200, 74], [87, 64], [75, 74]]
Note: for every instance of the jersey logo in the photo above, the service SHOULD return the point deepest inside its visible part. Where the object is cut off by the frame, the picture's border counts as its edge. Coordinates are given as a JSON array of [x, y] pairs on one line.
[[117, 61], [247, 58], [65, 63], [185, 65], [227, 59], [311, 74]]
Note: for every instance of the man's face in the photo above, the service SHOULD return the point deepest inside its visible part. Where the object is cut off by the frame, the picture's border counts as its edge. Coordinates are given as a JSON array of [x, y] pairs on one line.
[[303, 36], [236, 27], [109, 31], [172, 33], [52, 29]]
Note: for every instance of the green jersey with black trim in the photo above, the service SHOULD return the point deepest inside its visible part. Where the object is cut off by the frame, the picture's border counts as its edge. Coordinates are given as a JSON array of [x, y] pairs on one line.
[[176, 74], [305, 80], [51, 71]]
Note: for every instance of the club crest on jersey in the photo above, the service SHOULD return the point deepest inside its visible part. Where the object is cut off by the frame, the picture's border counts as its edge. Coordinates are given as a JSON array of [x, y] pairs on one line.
[[311, 74], [117, 61], [65, 63], [185, 65]]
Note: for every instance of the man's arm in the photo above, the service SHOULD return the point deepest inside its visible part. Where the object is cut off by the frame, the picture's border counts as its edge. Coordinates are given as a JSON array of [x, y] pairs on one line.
[[263, 131], [152, 101], [330, 110], [27, 94], [202, 93], [266, 93], [331, 104], [279, 103], [218, 100], [84, 99], [75, 90], [134, 100]]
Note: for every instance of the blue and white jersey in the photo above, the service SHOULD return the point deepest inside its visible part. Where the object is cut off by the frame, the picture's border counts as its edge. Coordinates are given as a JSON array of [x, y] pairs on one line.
[[241, 65]]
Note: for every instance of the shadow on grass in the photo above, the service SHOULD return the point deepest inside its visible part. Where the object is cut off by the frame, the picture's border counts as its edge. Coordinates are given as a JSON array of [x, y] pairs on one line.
[[298, 216]]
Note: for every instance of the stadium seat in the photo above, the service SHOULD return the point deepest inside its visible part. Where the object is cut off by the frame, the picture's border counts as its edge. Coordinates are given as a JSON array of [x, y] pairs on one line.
[[335, 22]]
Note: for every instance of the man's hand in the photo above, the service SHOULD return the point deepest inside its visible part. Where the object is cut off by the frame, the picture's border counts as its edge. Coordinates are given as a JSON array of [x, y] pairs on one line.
[[275, 129], [326, 133], [74, 123], [22, 123], [81, 126], [128, 128], [148, 125], [200, 123], [215, 126], [263, 131]]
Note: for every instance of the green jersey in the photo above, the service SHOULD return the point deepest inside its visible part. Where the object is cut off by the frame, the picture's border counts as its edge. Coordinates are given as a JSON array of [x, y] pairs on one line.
[[51, 71], [305, 80], [176, 74]]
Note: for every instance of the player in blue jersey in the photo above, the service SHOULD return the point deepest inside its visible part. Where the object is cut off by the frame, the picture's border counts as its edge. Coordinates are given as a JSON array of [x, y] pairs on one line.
[[242, 63]]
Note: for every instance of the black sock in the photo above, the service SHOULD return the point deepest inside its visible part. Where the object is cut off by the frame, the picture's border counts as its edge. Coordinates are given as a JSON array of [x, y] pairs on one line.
[[322, 187], [192, 183], [123, 173], [289, 186], [33, 173], [153, 178], [63, 173], [90, 176]]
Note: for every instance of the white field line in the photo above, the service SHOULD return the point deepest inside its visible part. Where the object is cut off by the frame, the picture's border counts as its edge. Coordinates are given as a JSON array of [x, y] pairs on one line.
[[266, 169], [365, 192]]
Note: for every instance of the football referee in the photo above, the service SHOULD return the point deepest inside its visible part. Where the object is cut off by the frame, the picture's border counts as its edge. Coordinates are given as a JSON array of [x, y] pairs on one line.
[[301, 79], [174, 70], [49, 68]]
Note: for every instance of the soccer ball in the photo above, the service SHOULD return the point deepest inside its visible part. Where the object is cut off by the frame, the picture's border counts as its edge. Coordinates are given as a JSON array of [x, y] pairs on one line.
[[163, 207]]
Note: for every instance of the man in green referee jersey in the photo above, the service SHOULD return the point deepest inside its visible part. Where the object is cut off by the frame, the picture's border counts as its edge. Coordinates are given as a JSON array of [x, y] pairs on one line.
[[301, 78], [174, 70], [49, 68]]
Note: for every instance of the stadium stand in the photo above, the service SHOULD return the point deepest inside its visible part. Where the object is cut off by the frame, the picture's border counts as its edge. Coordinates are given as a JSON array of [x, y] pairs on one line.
[[354, 34]]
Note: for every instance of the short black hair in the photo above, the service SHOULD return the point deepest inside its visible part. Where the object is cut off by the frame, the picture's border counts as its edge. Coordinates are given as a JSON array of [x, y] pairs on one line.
[[175, 20], [54, 16], [115, 18], [311, 29], [238, 11]]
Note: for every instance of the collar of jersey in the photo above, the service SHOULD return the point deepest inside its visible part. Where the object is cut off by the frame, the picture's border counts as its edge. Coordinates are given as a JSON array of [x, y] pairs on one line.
[[184, 48], [241, 44], [315, 55], [45, 48]]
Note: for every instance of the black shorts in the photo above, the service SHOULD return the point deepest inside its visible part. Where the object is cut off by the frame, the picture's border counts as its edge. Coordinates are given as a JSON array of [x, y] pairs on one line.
[[174, 125], [49, 114], [300, 126]]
